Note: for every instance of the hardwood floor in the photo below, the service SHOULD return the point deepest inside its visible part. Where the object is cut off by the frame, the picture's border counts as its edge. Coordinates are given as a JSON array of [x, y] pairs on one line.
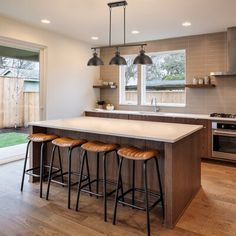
[[212, 212]]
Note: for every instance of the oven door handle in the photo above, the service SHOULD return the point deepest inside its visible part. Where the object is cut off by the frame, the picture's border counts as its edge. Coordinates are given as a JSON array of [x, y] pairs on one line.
[[227, 133]]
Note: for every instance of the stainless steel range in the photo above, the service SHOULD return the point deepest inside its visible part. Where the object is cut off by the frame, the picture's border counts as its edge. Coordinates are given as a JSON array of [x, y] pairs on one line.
[[223, 115], [224, 139]]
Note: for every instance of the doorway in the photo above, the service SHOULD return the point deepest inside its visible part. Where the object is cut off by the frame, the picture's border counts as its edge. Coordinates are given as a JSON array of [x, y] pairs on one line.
[[19, 98]]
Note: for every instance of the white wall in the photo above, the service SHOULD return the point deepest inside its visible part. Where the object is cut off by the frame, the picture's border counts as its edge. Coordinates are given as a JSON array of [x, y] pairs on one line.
[[68, 79]]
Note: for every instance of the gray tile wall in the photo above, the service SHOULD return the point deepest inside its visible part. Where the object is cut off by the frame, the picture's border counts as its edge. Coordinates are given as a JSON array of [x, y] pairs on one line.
[[204, 54]]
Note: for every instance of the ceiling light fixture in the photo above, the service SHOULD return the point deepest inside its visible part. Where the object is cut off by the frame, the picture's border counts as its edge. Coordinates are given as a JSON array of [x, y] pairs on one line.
[[135, 32], [45, 21], [186, 24], [95, 60], [117, 59], [94, 38]]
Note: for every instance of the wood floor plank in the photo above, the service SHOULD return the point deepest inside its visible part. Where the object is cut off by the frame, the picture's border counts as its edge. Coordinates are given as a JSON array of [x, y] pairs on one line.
[[212, 212]]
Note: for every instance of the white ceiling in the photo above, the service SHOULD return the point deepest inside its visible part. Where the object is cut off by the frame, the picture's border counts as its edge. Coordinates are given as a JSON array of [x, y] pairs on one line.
[[155, 19]]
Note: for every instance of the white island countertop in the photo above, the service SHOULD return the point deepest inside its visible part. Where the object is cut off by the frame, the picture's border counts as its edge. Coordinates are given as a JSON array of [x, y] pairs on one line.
[[146, 130]]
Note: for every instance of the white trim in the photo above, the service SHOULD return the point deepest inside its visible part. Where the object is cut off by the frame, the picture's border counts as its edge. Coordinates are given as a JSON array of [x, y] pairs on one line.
[[166, 105], [122, 100], [143, 82], [19, 44]]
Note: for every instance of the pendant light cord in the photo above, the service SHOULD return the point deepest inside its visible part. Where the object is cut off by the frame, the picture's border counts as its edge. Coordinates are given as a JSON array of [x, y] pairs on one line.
[[124, 25], [110, 29]]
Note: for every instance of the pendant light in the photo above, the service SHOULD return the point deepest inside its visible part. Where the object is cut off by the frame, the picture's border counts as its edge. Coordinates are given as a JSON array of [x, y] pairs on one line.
[[95, 60], [117, 59], [142, 58]]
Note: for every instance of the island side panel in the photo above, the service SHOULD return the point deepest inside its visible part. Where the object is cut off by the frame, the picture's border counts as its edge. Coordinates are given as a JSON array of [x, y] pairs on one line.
[[182, 176]]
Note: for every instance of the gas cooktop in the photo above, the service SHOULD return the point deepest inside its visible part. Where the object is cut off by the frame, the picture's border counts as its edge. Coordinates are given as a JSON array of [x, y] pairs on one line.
[[223, 115]]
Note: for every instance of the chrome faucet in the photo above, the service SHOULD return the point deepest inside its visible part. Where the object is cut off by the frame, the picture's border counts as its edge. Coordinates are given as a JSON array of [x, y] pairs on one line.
[[156, 108]]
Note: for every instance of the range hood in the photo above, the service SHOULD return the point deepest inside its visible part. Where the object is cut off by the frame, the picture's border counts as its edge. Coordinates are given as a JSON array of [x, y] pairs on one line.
[[231, 54]]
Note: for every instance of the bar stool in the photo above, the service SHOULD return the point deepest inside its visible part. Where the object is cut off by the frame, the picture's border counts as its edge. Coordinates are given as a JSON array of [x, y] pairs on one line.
[[71, 144], [43, 139], [135, 154], [104, 149]]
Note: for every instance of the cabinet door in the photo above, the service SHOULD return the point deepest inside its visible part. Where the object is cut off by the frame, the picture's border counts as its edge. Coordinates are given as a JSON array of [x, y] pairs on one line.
[[205, 134]]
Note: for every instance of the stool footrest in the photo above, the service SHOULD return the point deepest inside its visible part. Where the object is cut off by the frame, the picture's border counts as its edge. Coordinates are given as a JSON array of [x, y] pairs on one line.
[[85, 177], [98, 194], [140, 191]]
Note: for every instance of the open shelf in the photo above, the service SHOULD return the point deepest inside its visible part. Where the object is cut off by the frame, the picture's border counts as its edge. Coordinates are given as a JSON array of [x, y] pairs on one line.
[[105, 86], [200, 85]]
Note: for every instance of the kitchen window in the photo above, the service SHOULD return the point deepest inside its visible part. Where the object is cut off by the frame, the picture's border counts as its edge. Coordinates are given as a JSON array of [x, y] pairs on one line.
[[129, 82], [164, 79]]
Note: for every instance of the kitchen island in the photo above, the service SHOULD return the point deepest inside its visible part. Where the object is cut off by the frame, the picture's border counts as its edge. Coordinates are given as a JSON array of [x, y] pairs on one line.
[[177, 145]]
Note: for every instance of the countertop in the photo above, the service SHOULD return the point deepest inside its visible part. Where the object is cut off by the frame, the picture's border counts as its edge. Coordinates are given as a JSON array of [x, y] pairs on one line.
[[147, 130], [164, 114]]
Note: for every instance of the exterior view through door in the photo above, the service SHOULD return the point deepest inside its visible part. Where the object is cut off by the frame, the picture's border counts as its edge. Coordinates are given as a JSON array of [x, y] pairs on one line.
[[19, 103]]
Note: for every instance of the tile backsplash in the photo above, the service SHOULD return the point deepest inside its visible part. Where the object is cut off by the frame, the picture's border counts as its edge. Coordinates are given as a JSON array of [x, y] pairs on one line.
[[204, 54]]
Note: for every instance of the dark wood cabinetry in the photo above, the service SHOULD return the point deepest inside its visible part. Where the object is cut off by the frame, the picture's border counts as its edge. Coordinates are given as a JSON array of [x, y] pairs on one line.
[[205, 136]]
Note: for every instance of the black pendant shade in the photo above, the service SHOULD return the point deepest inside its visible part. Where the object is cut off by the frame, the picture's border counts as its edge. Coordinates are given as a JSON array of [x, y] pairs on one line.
[[142, 58], [95, 60], [118, 60]]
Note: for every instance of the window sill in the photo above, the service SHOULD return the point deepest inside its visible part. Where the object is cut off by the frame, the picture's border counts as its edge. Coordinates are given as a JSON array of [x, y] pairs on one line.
[[166, 105], [128, 104]]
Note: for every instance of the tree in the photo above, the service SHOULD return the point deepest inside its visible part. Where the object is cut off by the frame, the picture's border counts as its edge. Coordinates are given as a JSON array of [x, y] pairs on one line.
[[167, 66]]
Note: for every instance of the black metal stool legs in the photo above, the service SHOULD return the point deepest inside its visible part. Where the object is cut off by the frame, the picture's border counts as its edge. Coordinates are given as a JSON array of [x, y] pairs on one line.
[[50, 171], [41, 169], [147, 207], [60, 165], [88, 173], [160, 187], [133, 182], [97, 174], [146, 196], [121, 186], [25, 163], [69, 177], [117, 189], [105, 187], [80, 179]]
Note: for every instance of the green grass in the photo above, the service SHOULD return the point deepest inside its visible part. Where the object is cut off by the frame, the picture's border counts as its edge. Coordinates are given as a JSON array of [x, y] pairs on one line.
[[11, 139]]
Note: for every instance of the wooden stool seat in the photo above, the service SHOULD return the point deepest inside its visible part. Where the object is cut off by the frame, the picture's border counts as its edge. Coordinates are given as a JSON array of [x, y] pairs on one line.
[[40, 137], [134, 153], [68, 142], [96, 146]]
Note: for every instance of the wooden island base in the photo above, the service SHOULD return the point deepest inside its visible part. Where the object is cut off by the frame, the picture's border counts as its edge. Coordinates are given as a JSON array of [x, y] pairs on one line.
[[179, 166]]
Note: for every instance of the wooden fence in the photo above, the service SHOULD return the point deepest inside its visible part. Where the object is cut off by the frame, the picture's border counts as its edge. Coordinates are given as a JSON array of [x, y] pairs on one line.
[[17, 107], [163, 96]]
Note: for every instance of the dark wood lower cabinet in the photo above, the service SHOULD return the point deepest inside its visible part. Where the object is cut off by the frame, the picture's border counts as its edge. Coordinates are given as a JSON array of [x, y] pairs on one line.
[[205, 136]]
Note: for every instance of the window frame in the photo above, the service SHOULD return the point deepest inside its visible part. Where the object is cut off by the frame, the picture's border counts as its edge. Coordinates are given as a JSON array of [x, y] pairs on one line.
[[122, 84], [143, 82]]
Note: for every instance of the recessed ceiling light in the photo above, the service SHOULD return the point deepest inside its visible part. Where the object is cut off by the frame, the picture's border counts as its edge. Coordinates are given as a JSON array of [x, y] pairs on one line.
[[94, 38], [45, 21], [186, 24], [135, 32]]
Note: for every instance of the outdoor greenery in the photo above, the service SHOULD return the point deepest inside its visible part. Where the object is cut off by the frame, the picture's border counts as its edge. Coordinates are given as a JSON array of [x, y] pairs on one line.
[[11, 139], [131, 71], [167, 66]]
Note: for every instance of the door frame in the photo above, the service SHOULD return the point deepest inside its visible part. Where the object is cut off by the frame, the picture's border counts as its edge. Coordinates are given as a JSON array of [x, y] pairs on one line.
[[10, 42]]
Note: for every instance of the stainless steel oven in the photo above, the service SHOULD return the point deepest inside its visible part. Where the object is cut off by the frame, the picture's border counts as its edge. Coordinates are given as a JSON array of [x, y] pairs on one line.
[[224, 140]]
